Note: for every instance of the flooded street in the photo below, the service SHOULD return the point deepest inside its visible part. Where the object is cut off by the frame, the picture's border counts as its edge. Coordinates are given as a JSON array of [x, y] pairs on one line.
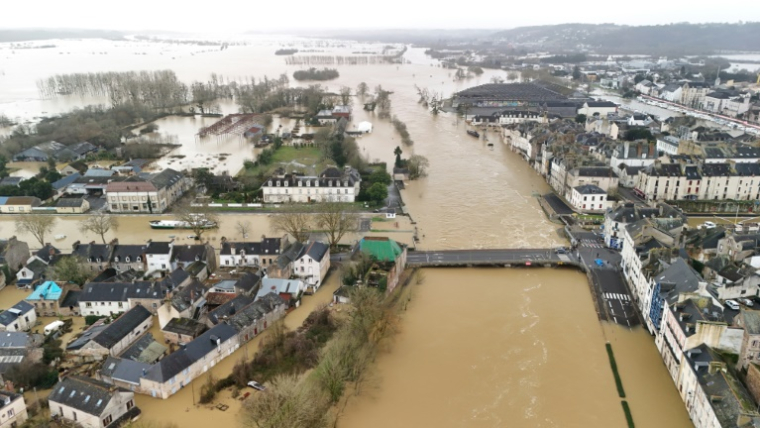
[[477, 347]]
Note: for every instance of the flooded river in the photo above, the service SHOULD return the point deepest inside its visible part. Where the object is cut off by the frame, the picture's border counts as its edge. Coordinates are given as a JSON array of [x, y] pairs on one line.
[[478, 348]]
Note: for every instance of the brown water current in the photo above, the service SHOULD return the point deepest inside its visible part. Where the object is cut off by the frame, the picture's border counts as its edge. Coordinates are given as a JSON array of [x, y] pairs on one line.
[[477, 347]]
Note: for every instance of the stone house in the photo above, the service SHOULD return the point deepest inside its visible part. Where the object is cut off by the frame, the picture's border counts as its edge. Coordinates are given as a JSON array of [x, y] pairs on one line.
[[47, 298], [182, 330], [91, 403], [251, 254], [257, 316], [116, 336], [185, 302], [13, 254], [283, 265], [126, 257], [749, 320], [95, 256], [183, 256], [389, 254], [226, 310], [195, 358]]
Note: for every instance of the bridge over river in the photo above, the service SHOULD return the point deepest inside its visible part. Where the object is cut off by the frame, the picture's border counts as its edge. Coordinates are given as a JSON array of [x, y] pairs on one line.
[[611, 296]]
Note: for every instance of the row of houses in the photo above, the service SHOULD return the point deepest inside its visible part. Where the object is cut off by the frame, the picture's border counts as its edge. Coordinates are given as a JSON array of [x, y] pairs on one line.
[[56, 151], [332, 184]]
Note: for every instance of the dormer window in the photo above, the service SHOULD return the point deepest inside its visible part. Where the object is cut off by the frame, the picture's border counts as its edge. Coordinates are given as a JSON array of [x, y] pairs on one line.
[[345, 183], [285, 183], [126, 259], [300, 183], [270, 183], [278, 183], [139, 259], [116, 259], [329, 183], [308, 184]]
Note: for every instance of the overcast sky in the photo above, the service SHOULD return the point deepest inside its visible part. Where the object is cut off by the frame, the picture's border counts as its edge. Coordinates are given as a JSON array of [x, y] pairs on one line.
[[250, 15]]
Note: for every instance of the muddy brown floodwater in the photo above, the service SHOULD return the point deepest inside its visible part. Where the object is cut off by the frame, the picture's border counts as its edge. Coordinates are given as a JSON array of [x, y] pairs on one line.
[[477, 347]]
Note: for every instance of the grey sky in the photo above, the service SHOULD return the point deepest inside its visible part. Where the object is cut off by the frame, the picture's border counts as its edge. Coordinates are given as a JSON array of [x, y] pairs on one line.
[[250, 15]]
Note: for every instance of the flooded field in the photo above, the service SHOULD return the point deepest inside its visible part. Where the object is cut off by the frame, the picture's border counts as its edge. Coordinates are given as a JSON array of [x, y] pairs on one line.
[[478, 348]]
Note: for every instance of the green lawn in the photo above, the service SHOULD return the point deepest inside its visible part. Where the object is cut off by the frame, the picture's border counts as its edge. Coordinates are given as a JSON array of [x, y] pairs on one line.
[[304, 159]]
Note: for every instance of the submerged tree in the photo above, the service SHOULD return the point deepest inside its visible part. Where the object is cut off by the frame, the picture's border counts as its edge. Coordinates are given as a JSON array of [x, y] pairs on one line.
[[297, 223], [243, 228], [99, 223], [71, 269], [37, 225], [336, 219], [417, 165], [199, 219]]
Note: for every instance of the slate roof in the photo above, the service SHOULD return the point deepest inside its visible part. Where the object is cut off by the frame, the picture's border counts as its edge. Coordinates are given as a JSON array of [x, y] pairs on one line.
[[157, 247], [145, 350], [92, 252], [11, 181], [98, 172], [120, 291], [184, 298], [174, 279], [280, 286], [691, 311], [47, 253], [229, 308], [315, 250], [289, 255], [248, 281], [266, 246], [678, 278], [601, 104], [728, 398], [184, 357], [13, 339], [87, 336], [121, 252], [185, 327], [217, 299], [166, 178], [590, 189], [69, 202], [122, 327], [82, 393], [751, 320], [189, 253], [124, 369], [71, 299], [596, 172], [255, 311], [8, 316]]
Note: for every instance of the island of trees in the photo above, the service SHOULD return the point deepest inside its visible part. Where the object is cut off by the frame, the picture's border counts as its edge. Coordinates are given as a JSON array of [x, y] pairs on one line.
[[314, 74]]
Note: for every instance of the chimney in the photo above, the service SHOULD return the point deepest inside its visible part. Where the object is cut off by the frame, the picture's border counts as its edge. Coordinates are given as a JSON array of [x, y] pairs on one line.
[[75, 245], [192, 295], [51, 251]]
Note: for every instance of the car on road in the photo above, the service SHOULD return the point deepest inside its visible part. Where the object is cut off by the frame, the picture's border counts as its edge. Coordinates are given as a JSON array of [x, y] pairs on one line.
[[733, 304], [747, 302], [257, 386], [560, 250], [707, 225]]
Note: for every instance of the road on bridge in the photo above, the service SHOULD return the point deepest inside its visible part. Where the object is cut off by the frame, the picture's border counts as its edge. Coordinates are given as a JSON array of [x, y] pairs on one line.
[[465, 257]]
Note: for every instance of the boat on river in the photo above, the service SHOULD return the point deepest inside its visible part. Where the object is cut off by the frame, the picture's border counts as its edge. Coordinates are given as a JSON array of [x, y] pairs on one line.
[[178, 224], [473, 134]]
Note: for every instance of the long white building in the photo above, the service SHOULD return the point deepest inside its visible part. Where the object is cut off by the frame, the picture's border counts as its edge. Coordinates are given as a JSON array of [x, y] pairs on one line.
[[332, 184]]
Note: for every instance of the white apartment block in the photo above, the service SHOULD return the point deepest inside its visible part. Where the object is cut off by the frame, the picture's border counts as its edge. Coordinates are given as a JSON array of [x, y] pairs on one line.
[[331, 185]]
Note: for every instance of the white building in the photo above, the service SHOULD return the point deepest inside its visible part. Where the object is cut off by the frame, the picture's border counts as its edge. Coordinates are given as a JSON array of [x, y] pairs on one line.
[[108, 298], [12, 409], [312, 264], [19, 317], [331, 185], [91, 403], [598, 108], [668, 145], [153, 195], [589, 198], [251, 254], [158, 256]]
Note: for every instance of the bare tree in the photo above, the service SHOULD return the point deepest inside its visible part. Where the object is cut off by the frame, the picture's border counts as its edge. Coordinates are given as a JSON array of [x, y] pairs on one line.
[[336, 219], [345, 96], [362, 89], [243, 228], [297, 223], [199, 219], [289, 401], [417, 165], [37, 225], [99, 223]]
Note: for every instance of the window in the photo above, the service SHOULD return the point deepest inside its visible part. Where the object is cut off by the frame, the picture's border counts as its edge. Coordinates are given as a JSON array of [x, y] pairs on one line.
[[88, 305], [11, 412], [121, 304], [108, 419], [131, 403], [74, 415]]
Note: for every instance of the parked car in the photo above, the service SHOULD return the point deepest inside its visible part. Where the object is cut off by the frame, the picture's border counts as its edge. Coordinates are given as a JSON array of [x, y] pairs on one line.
[[732, 304], [747, 302], [560, 250], [707, 225], [257, 386]]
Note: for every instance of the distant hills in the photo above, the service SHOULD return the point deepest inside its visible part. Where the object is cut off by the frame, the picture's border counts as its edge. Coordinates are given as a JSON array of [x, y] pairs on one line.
[[30, 34], [673, 39]]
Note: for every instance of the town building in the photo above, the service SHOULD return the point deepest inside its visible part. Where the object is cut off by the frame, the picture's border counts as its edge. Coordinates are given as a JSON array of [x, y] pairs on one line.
[[312, 264], [153, 195], [182, 330], [187, 301], [19, 317], [749, 321], [116, 336], [128, 257], [195, 358], [90, 403], [13, 412], [251, 254], [72, 205], [18, 204], [331, 185], [589, 198], [182, 256], [290, 290], [46, 299], [255, 317], [108, 298], [13, 254]]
